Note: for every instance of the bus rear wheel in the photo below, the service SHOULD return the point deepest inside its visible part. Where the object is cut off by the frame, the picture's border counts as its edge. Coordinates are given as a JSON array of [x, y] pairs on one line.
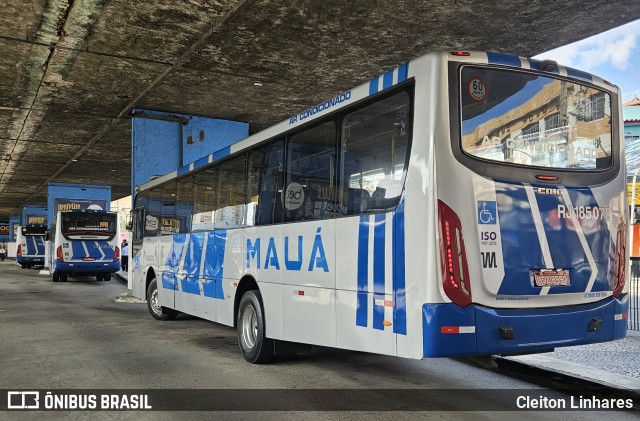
[[55, 276], [255, 346], [157, 311]]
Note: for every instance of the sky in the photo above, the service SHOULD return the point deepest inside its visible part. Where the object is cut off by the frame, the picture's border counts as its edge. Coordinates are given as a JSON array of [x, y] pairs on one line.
[[613, 55]]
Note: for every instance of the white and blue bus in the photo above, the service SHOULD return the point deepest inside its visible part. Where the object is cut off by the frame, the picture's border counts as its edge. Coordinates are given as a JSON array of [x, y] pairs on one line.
[[84, 242], [464, 203], [30, 245]]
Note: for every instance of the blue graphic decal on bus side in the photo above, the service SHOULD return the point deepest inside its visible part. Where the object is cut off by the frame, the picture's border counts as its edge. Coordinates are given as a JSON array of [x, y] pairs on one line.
[[214, 265], [378, 271], [173, 261], [192, 262], [399, 300], [363, 271], [377, 297]]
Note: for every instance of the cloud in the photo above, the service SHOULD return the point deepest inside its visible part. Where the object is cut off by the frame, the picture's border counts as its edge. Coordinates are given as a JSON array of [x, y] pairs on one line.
[[614, 47]]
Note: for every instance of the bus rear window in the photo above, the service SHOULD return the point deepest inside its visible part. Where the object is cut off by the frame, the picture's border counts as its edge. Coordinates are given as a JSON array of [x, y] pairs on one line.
[[99, 224], [533, 120], [34, 230]]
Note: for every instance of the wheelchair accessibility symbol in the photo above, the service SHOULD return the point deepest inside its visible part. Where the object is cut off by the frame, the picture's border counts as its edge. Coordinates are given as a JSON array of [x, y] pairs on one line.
[[486, 212]]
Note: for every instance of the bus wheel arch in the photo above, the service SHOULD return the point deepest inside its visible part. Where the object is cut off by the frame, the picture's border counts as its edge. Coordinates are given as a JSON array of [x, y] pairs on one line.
[[247, 283], [256, 348], [156, 310]]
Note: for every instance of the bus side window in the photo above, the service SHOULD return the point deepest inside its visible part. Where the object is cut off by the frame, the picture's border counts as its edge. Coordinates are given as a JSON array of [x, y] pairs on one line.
[[375, 141], [264, 190], [138, 224], [311, 179]]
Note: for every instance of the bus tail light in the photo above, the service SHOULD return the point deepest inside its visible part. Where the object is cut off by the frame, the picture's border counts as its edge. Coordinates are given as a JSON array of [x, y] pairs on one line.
[[453, 257], [59, 254], [620, 260], [19, 251], [116, 254]]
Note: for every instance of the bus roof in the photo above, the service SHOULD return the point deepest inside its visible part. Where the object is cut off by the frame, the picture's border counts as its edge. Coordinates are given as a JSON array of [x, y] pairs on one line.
[[376, 85]]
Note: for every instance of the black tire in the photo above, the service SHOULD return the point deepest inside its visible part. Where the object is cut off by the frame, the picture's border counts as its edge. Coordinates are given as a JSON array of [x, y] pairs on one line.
[[157, 311], [106, 277], [255, 346], [63, 277], [56, 276], [23, 266]]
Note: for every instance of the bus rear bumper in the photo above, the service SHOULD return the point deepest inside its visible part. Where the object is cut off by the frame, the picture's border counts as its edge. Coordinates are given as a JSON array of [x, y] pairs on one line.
[[87, 267], [450, 330], [30, 259]]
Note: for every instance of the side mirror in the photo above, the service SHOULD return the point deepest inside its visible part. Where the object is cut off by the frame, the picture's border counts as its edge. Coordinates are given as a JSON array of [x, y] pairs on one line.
[[129, 222]]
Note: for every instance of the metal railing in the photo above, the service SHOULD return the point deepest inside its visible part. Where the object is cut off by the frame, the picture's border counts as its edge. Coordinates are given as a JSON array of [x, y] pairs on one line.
[[634, 296]]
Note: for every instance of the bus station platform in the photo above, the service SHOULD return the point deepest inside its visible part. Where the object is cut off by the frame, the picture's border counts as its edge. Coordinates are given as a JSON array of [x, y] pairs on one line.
[[613, 365]]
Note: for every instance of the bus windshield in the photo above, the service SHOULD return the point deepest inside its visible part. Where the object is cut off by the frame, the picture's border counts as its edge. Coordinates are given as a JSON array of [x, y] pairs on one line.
[[93, 224], [534, 120], [33, 230]]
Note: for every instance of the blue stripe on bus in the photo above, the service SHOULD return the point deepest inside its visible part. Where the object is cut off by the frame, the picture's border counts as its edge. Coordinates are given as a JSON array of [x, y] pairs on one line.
[[506, 59], [173, 261], [387, 79], [403, 72], [598, 240], [106, 249], [579, 74], [373, 85], [77, 251], [378, 270], [399, 299], [214, 264], [192, 264], [31, 245], [39, 240], [363, 271]]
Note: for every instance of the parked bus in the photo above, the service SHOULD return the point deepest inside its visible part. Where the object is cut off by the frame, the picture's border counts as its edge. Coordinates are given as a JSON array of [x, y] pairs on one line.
[[84, 243], [464, 203], [30, 245]]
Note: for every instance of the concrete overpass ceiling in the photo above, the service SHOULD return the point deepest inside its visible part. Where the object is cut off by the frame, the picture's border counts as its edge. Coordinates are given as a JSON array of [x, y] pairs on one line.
[[72, 70]]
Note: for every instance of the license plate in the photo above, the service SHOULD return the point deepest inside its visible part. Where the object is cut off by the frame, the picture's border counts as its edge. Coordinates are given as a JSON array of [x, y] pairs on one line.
[[551, 278]]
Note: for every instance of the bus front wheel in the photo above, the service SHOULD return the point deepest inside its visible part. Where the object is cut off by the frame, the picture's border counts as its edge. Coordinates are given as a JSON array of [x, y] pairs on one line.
[[255, 346], [153, 303]]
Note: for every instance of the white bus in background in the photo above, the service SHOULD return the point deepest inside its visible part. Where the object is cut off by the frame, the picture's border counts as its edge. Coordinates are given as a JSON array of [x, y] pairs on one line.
[[30, 245], [84, 242], [382, 220]]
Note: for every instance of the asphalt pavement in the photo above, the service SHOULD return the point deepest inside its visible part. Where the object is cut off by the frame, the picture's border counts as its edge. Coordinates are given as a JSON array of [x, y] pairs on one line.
[[613, 364]]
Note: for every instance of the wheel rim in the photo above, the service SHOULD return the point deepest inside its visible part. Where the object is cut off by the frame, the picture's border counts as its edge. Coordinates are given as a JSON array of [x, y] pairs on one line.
[[249, 327], [155, 305]]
